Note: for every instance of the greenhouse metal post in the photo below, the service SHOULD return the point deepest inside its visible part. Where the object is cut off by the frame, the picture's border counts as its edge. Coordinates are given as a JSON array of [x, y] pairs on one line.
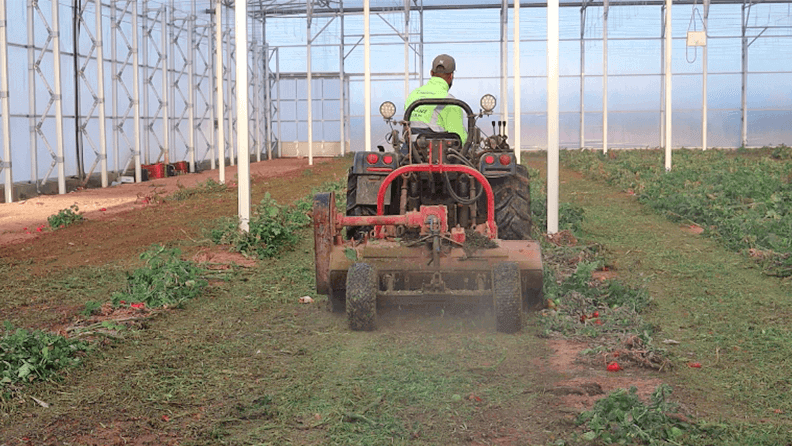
[[309, 81], [517, 83], [341, 114], [164, 70], [504, 68], [31, 52], [220, 125], [114, 27], [669, 111], [582, 75], [243, 151], [605, 7], [366, 76], [191, 85], [57, 97], [100, 81], [6, 166], [406, 48], [704, 79], [136, 91], [552, 116]]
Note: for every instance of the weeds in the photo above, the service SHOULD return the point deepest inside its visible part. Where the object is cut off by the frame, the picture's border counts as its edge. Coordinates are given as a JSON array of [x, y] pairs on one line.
[[622, 418], [273, 228], [65, 217], [164, 280], [28, 356], [743, 201], [209, 186], [570, 216]]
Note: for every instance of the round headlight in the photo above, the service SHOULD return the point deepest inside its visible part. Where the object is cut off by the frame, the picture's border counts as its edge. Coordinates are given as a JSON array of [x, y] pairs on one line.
[[488, 102], [387, 109]]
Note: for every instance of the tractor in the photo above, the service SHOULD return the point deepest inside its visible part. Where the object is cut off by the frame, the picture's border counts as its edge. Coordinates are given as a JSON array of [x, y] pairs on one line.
[[431, 222]]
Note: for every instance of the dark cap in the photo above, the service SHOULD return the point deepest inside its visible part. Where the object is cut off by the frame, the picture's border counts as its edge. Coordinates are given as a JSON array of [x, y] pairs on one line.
[[443, 64]]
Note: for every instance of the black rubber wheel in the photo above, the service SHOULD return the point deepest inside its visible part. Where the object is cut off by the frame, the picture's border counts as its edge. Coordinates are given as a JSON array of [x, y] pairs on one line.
[[354, 209], [336, 300], [508, 297], [361, 297], [513, 205]]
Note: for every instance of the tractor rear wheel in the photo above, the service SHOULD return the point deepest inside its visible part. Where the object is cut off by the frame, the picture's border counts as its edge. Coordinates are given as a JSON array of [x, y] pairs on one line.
[[508, 297], [354, 209], [361, 297], [513, 205]]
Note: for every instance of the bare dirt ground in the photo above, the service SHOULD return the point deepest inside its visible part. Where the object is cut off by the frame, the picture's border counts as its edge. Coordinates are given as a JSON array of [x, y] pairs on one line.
[[129, 217], [19, 220]]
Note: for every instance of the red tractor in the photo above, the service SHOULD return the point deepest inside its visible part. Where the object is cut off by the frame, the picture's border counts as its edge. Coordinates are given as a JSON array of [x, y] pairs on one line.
[[434, 221]]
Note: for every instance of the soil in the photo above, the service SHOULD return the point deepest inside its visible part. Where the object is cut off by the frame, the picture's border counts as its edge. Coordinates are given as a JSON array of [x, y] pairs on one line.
[[19, 220], [129, 217]]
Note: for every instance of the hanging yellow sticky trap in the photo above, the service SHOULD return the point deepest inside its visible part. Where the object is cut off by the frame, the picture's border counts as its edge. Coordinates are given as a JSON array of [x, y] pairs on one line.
[[696, 38]]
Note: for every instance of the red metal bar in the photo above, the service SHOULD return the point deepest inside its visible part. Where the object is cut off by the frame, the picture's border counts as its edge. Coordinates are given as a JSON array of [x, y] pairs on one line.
[[440, 168]]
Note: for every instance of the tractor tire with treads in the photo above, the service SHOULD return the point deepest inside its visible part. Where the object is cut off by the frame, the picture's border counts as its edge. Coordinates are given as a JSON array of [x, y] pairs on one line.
[[354, 209], [361, 297], [508, 297], [513, 205]]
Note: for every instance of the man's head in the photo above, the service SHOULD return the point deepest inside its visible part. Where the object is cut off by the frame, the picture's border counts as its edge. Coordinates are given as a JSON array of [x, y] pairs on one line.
[[443, 66]]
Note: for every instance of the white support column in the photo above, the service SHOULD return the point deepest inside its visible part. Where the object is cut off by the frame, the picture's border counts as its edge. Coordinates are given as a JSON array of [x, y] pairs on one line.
[[191, 86], [406, 48], [114, 77], [31, 53], [421, 43], [100, 81], [211, 77], [278, 101], [517, 83], [165, 87], [704, 99], [582, 76], [6, 108], [220, 115], [341, 96], [662, 76], [232, 136], [136, 91], [367, 75], [268, 100], [257, 61], [669, 111], [504, 69], [552, 117], [243, 152], [58, 96], [145, 117], [170, 65], [605, 77], [744, 70], [309, 81]]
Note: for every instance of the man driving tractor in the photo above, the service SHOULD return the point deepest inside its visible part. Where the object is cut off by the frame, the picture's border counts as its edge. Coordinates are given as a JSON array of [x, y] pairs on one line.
[[439, 118]]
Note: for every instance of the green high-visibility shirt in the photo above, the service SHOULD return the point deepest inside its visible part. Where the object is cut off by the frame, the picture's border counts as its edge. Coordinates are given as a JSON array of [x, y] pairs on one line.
[[438, 117]]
